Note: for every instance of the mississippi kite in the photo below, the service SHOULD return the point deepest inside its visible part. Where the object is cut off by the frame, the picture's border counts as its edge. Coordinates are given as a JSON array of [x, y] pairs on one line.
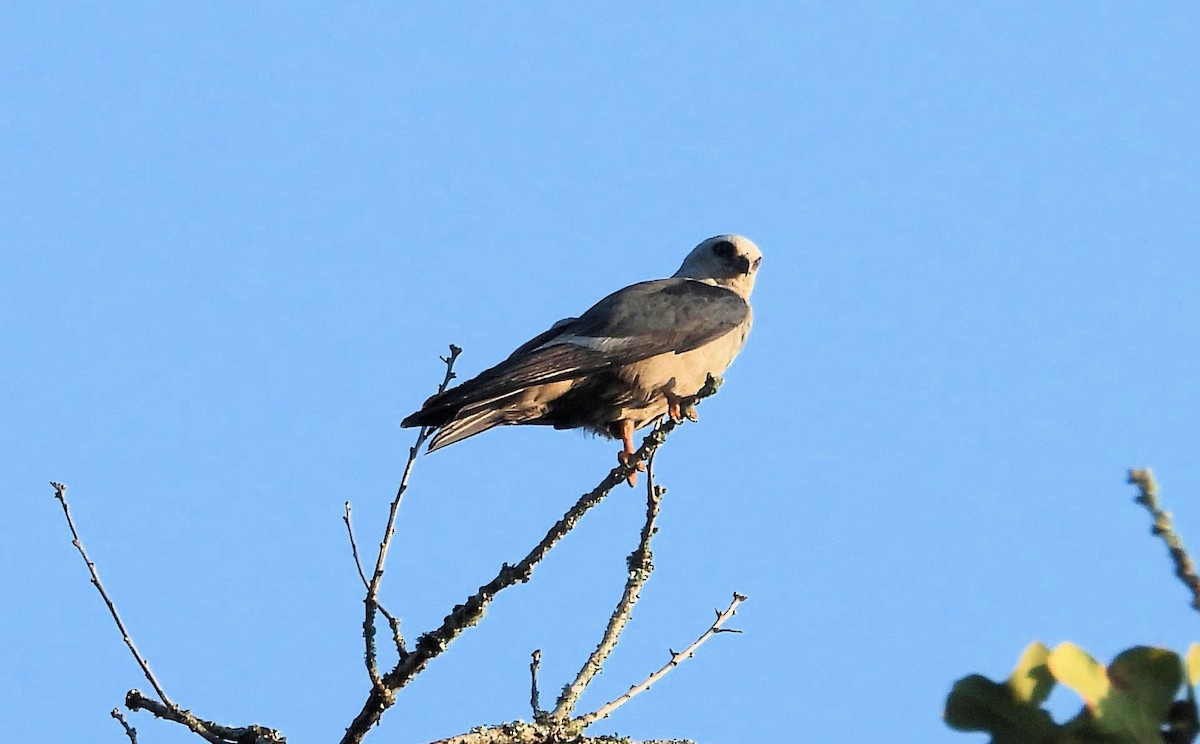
[[636, 355]]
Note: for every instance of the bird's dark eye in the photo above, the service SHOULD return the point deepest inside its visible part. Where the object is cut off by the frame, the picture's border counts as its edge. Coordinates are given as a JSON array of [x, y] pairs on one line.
[[725, 249]]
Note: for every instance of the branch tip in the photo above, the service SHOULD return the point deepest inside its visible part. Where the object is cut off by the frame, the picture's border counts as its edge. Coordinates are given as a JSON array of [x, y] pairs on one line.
[[534, 698], [130, 731], [1147, 496]]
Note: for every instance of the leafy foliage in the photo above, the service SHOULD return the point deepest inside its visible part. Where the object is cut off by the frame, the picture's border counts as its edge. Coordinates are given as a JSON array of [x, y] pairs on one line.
[[1134, 700]]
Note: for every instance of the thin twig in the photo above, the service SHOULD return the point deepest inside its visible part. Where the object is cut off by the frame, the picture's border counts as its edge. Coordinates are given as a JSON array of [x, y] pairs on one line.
[[1148, 497], [433, 643], [393, 622], [676, 659], [214, 732], [60, 493], [641, 565], [534, 701], [130, 731], [371, 601]]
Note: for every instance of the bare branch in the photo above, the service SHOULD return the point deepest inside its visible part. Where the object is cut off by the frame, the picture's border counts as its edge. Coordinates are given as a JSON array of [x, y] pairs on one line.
[[433, 643], [641, 565], [60, 493], [371, 601], [1148, 497], [676, 659], [130, 731]]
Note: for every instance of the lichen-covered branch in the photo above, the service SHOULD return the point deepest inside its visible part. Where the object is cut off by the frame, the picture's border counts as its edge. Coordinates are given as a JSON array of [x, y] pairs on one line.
[[214, 732], [520, 732], [433, 643], [535, 702], [641, 565], [677, 658], [1148, 497], [463, 616]]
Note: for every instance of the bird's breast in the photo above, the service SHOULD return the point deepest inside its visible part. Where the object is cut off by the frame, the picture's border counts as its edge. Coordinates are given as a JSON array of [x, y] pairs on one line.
[[685, 373]]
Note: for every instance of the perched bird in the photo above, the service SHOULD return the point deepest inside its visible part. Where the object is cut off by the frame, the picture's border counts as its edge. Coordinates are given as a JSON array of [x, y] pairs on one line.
[[642, 352]]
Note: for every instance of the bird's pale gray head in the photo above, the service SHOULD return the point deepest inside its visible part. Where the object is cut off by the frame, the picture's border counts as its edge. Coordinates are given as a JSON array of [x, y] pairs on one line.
[[727, 260]]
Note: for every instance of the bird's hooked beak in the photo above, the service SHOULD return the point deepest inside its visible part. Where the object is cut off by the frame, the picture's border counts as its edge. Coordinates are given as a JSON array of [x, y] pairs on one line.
[[745, 266]]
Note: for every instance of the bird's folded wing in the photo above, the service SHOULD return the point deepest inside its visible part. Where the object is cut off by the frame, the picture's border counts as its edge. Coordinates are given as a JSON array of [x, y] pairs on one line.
[[651, 318], [635, 323]]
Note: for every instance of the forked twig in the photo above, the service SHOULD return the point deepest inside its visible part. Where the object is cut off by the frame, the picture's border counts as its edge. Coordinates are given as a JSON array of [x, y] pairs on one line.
[[431, 644], [371, 601], [393, 621], [677, 658], [641, 565], [1148, 497]]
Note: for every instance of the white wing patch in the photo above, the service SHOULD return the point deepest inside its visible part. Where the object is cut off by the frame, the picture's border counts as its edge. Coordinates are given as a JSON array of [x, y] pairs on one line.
[[595, 343]]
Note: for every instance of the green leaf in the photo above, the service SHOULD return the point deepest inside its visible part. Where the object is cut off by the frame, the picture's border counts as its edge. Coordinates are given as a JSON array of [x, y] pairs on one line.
[[1130, 699], [976, 703], [1149, 678], [1076, 669], [1010, 712], [1031, 681]]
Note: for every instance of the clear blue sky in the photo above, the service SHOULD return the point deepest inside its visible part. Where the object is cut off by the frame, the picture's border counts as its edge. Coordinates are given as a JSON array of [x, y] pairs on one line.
[[235, 237]]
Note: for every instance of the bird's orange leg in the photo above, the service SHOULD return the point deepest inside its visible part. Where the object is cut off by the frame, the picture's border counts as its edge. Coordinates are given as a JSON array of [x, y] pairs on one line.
[[626, 455]]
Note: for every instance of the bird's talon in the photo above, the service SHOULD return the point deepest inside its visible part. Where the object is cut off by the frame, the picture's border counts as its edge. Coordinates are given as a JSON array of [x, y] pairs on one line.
[[673, 409], [626, 458], [689, 411]]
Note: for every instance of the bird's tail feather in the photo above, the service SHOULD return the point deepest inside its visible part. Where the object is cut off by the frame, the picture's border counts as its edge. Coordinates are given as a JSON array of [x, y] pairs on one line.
[[467, 424]]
